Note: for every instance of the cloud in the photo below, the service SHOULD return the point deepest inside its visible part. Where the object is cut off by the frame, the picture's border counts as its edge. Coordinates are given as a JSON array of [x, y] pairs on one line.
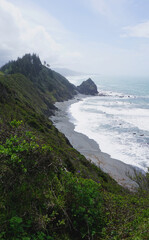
[[112, 10], [107, 59], [27, 29], [21, 32], [140, 30], [101, 6]]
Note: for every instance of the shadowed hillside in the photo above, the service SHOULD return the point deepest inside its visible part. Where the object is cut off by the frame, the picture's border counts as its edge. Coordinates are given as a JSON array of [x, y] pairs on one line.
[[51, 86]]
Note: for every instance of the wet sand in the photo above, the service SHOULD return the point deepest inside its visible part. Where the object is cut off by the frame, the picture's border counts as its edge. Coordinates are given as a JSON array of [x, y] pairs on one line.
[[118, 170]]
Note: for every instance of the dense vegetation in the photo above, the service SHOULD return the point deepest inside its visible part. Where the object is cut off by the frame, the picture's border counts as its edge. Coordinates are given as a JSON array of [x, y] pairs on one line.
[[47, 189], [49, 85]]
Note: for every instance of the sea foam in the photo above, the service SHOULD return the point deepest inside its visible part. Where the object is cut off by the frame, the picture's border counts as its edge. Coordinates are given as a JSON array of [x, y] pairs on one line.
[[119, 126]]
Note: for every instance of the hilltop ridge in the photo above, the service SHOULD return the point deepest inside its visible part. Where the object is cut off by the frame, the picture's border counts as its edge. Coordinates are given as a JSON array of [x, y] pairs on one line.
[[50, 85]]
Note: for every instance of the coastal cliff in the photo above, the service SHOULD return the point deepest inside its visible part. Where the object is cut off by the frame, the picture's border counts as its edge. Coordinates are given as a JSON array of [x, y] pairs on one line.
[[48, 190]]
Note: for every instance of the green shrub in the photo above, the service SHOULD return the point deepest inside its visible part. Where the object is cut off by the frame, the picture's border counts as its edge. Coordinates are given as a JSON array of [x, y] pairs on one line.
[[84, 205], [16, 123]]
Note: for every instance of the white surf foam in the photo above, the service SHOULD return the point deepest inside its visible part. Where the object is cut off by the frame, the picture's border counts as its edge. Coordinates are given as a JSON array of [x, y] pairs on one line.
[[91, 119], [122, 110]]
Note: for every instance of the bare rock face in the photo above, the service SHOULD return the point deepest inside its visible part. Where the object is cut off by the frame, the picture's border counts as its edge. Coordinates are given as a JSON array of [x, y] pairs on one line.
[[88, 87]]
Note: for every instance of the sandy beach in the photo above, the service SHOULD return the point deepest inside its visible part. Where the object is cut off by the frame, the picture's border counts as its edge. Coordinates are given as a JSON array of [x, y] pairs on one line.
[[118, 170]]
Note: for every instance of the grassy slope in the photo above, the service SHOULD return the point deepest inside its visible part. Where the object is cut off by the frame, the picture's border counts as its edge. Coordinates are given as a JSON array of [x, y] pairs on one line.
[[21, 101], [38, 196], [50, 85]]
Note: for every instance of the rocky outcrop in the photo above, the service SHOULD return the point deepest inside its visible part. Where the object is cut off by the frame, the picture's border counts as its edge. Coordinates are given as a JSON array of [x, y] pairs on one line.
[[88, 87]]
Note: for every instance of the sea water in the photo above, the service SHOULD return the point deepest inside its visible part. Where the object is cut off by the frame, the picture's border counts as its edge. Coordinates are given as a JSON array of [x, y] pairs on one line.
[[118, 120]]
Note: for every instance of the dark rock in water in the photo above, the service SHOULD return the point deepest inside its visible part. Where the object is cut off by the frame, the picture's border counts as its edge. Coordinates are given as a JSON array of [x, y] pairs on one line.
[[88, 87], [102, 95]]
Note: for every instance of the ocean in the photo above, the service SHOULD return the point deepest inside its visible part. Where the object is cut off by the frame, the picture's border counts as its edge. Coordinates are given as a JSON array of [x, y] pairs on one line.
[[119, 120]]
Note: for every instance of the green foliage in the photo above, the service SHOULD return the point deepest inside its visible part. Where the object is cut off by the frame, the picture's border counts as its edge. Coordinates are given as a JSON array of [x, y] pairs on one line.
[[44, 85], [85, 205], [16, 226], [126, 216], [16, 146], [63, 200], [143, 182], [28, 64], [17, 231], [16, 123], [140, 226], [39, 194]]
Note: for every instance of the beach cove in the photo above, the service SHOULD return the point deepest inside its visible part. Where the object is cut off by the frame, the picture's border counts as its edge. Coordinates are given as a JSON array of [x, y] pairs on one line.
[[118, 170]]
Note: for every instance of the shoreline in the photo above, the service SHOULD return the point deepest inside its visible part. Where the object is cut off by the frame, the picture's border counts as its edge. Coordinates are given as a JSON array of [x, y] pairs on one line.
[[117, 169]]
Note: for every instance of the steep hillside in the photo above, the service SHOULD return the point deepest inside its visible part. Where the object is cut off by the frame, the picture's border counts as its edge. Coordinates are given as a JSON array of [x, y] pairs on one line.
[[48, 190], [50, 85]]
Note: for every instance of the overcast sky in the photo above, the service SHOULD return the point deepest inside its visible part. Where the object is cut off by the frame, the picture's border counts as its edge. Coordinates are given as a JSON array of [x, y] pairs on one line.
[[93, 36]]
